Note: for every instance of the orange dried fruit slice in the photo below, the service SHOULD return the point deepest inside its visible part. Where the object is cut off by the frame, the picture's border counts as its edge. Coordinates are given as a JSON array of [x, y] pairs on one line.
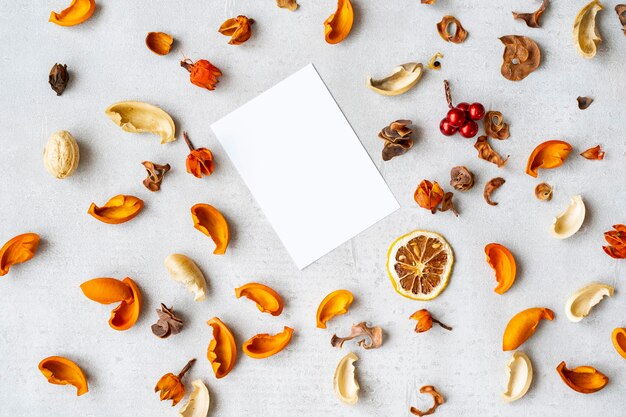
[[419, 264]]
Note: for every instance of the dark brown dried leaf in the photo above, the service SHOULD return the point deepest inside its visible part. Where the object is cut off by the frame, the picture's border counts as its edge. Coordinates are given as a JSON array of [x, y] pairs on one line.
[[620, 9], [532, 19], [495, 126], [155, 175], [375, 335], [397, 137], [492, 185], [584, 102], [461, 178], [437, 397], [486, 152], [58, 78], [521, 57], [447, 204], [167, 324]]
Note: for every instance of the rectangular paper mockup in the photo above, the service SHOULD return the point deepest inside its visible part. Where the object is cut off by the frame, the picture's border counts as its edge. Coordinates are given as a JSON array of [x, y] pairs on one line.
[[305, 166]]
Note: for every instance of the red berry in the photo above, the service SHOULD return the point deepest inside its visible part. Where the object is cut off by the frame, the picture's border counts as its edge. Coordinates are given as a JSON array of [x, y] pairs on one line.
[[463, 106], [456, 117], [469, 129], [476, 111], [446, 128]]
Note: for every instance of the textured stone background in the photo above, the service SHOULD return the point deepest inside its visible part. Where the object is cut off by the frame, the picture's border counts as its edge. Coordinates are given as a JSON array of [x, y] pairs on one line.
[[44, 312]]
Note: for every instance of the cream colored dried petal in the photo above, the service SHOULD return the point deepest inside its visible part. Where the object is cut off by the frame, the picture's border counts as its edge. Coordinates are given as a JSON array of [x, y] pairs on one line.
[[586, 34], [345, 383], [580, 303], [570, 221], [61, 154], [140, 117], [198, 403], [401, 80], [519, 372], [185, 271]]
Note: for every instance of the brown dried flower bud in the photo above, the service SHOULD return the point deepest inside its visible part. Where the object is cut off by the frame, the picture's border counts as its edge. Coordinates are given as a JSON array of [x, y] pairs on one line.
[[167, 324], [543, 191], [397, 137], [58, 78], [461, 178]]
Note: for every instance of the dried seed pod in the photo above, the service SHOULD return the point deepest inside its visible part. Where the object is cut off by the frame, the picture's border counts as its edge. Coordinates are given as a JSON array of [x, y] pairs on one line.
[[58, 78], [208, 220], [547, 155], [374, 334], [434, 63], [338, 25], [160, 43], [264, 345], [523, 325], [184, 270], [167, 324], [502, 261], [580, 303], [594, 153], [521, 57], [344, 382], [461, 178], [425, 321], [583, 379], [287, 4], [118, 209], [140, 117], [584, 102], [18, 249], [76, 13], [569, 221], [620, 9], [198, 403], [543, 191], [61, 154], [402, 79], [519, 371], [62, 371], [239, 29], [460, 34], [437, 397], [447, 204], [156, 172], [532, 19], [486, 152], [428, 195], [222, 350], [202, 73], [492, 185], [616, 240], [334, 304], [586, 35], [397, 137], [494, 126]]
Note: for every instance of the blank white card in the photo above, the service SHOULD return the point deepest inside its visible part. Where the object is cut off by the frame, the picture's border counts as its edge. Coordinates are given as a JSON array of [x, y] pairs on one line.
[[305, 166]]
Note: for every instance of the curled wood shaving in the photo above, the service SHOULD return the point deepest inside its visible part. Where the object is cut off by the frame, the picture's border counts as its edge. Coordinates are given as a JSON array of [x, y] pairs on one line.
[[287, 4], [459, 34], [375, 335], [594, 153], [486, 152], [495, 126], [584, 102], [437, 397], [492, 185], [543, 191], [620, 9], [532, 19]]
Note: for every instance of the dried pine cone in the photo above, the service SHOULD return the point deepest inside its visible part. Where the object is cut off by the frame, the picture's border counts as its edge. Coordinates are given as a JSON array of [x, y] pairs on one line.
[[461, 178], [397, 139]]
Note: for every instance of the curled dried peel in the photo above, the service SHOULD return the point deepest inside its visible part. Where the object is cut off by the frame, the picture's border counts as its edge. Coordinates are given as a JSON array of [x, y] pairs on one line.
[[523, 325], [580, 303], [198, 403], [184, 270], [618, 337], [402, 79], [583, 379], [547, 155], [503, 263], [521, 57], [159, 42], [263, 345], [104, 291], [338, 25], [222, 351], [140, 117], [118, 209], [437, 401], [519, 372], [208, 220], [238, 28], [62, 371], [586, 35], [374, 334], [460, 34], [17, 250], [570, 221], [334, 304], [76, 13], [345, 384], [267, 300], [594, 153]]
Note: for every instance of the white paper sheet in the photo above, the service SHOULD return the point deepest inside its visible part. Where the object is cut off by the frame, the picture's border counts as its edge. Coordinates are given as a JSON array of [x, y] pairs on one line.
[[305, 166]]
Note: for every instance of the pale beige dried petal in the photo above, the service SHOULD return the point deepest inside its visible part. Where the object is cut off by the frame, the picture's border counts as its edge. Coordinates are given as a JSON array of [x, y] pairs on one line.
[[184, 270], [401, 80], [344, 382], [198, 403], [580, 303], [140, 117], [519, 372], [570, 221], [586, 34]]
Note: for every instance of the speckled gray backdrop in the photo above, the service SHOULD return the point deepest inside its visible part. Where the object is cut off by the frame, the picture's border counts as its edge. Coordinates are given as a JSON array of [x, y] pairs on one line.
[[44, 312]]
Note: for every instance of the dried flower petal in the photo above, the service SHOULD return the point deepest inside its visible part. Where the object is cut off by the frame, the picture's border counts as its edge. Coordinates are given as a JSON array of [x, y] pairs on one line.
[[547, 155], [503, 263], [586, 34], [437, 397], [402, 79], [492, 185], [17, 250], [425, 321], [156, 172], [620, 9], [583, 379], [523, 325], [287, 4], [486, 152], [76, 13], [521, 57], [118, 209], [238, 29], [374, 334], [594, 153], [111, 290], [397, 137], [263, 345], [543, 191], [171, 386], [267, 300], [461, 178], [62, 371], [434, 63], [58, 78], [429, 1], [532, 19], [616, 240], [202, 73], [338, 25], [167, 324], [459, 34], [428, 195], [618, 337], [584, 102], [494, 126], [199, 161], [208, 220], [447, 204], [140, 117], [222, 351], [334, 304], [160, 43]]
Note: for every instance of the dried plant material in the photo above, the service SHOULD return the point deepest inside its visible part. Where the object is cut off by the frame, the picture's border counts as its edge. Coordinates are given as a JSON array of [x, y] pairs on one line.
[[334, 304], [17, 250], [397, 137], [461, 178], [492, 185], [111, 290], [503, 263], [61, 154], [160, 43], [594, 153], [443, 28], [374, 334], [184, 270], [118, 209], [62, 371], [58, 78], [434, 63], [202, 73], [167, 323], [486, 152], [579, 304], [570, 221], [402, 79], [156, 172], [519, 375], [344, 382], [267, 300], [584, 102], [425, 321], [521, 57], [586, 34], [437, 398], [532, 19], [543, 191], [616, 240], [338, 25], [171, 387], [618, 337], [523, 325], [494, 126], [263, 345], [198, 403], [620, 9], [419, 265], [208, 220], [222, 351], [76, 13], [428, 195], [583, 379], [287, 4], [199, 161], [429, 1], [547, 155], [448, 204], [140, 117], [238, 28]]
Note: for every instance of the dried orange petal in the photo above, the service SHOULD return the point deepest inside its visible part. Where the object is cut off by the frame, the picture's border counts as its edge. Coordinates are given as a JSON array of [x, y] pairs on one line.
[[124, 316], [594, 153], [159, 42], [583, 379], [210, 221], [619, 341], [118, 209], [503, 263], [17, 250], [547, 155], [238, 29], [62, 371], [76, 13], [264, 345], [523, 325], [334, 304], [222, 351], [339, 24], [106, 290], [267, 300]]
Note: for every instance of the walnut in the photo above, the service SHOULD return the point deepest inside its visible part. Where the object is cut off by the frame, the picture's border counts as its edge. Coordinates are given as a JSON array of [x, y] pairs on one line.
[[397, 139]]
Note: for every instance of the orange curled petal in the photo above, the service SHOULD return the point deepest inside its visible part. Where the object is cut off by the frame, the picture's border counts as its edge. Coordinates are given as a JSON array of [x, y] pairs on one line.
[[523, 325], [124, 316], [106, 290], [17, 250], [264, 345], [503, 263], [428, 195], [118, 209], [159, 42], [222, 351], [547, 155], [594, 153], [619, 341], [339, 24], [62, 371], [76, 13], [583, 379], [170, 387], [238, 29], [267, 300], [200, 162], [334, 304], [210, 221]]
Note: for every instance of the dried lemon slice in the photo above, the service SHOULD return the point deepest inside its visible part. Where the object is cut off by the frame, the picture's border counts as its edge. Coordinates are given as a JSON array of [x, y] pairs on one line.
[[419, 264]]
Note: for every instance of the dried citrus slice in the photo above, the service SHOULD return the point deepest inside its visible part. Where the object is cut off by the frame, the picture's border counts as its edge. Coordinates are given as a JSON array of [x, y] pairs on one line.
[[419, 264]]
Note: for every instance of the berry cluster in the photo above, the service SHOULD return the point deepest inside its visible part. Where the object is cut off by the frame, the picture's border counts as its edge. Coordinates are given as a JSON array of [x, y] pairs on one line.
[[461, 118]]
